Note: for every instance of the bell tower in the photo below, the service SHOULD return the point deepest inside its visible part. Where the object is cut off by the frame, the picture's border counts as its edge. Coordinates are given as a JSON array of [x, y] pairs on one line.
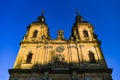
[[82, 30], [83, 33], [43, 58], [37, 31]]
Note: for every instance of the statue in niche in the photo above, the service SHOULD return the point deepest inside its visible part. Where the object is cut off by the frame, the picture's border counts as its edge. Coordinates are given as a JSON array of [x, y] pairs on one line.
[[60, 35]]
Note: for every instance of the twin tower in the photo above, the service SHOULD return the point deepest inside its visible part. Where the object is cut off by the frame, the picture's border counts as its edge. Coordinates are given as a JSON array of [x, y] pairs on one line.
[[42, 58]]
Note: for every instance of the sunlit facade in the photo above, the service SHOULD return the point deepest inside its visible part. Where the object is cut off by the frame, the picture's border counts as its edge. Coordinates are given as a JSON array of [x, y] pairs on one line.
[[43, 58]]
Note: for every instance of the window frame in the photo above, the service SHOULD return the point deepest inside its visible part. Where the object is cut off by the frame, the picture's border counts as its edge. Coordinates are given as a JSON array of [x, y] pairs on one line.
[[91, 57], [85, 33], [29, 58], [35, 33]]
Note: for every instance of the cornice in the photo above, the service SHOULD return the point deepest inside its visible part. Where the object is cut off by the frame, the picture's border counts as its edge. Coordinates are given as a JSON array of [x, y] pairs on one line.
[[59, 42], [60, 70]]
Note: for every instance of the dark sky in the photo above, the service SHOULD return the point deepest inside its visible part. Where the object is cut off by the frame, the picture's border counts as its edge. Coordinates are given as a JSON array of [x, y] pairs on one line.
[[16, 15]]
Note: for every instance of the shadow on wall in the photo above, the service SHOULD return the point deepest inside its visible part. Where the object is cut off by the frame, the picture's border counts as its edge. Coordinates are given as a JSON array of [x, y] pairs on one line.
[[63, 64]]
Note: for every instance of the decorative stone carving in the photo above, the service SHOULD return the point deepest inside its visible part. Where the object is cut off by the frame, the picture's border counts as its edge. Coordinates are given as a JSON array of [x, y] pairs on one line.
[[71, 38], [60, 61], [60, 58], [60, 35], [44, 38], [60, 49]]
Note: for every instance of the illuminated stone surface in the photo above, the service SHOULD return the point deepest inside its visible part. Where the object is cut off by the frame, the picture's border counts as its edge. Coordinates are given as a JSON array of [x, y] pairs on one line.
[[42, 58]]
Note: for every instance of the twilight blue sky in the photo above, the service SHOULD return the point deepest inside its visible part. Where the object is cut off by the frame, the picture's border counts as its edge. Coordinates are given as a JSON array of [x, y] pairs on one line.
[[16, 15]]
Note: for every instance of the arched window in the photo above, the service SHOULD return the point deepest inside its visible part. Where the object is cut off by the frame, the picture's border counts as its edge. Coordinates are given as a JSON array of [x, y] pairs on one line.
[[29, 58], [85, 33], [35, 34], [92, 57]]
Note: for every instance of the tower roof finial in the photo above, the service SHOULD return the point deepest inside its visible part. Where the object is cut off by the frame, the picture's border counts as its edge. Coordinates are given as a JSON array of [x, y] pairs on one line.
[[43, 12], [77, 12], [41, 18], [78, 17]]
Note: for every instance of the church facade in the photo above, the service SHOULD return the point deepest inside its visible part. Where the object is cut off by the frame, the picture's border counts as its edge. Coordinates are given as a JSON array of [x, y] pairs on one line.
[[43, 58]]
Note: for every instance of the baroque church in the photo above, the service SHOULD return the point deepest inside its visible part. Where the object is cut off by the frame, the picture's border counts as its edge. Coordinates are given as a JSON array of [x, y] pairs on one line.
[[78, 58]]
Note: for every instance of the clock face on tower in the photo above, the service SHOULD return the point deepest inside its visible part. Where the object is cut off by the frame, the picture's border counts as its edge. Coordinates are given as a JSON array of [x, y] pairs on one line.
[[60, 49]]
